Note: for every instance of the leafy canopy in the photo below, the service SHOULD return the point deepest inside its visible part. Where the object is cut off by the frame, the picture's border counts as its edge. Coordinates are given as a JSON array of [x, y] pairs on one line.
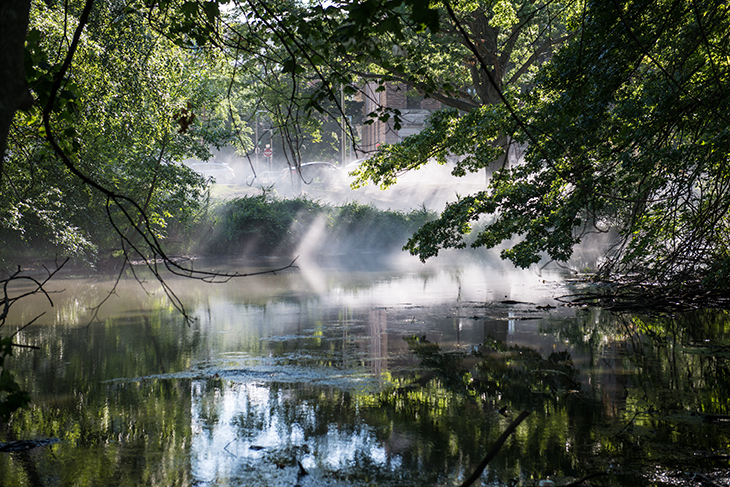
[[627, 131], [119, 116]]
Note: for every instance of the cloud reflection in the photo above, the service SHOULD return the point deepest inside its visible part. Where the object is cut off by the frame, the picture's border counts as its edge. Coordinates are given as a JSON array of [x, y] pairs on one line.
[[256, 433]]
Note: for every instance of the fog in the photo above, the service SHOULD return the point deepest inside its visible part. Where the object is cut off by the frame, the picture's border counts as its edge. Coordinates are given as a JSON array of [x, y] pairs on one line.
[[431, 187]]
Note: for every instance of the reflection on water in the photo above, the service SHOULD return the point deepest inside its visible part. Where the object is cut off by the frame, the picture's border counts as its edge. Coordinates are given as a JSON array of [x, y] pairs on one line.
[[383, 376]]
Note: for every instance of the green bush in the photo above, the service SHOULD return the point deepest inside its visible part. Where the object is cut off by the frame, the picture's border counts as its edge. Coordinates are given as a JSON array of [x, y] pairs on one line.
[[364, 228], [265, 225]]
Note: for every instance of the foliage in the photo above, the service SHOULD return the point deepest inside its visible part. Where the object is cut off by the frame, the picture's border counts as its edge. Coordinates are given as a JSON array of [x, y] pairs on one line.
[[266, 85], [421, 44], [289, 59], [296, 60], [265, 225], [259, 224], [627, 130], [464, 56], [298, 133], [448, 133], [363, 228], [650, 133], [119, 67]]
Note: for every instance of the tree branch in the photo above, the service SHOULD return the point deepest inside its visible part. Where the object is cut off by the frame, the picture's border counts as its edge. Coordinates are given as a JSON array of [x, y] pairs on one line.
[[495, 449], [535, 55]]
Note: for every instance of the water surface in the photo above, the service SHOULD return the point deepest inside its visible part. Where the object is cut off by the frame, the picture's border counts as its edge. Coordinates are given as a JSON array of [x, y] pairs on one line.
[[383, 375]]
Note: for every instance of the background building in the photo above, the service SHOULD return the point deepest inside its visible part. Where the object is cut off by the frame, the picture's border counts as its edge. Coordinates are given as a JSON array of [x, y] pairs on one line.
[[414, 111]]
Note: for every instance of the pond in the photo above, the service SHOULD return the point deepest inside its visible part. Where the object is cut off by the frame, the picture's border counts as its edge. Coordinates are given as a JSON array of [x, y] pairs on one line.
[[375, 373]]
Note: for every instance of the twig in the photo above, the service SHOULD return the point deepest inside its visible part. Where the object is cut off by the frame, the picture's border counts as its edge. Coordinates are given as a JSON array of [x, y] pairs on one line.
[[229, 451], [8, 302], [26, 326], [495, 449], [109, 294]]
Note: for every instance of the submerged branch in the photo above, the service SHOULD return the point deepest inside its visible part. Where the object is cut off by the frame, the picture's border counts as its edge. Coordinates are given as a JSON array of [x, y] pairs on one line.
[[495, 448]]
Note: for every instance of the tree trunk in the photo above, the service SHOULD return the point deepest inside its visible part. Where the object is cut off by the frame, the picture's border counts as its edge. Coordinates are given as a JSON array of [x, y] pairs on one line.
[[485, 38], [14, 92]]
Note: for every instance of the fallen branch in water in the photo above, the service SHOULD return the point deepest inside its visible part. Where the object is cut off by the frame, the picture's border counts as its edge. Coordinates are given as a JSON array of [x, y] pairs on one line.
[[495, 449]]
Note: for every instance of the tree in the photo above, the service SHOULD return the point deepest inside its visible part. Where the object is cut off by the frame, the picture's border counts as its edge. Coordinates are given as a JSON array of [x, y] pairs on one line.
[[96, 119], [463, 54], [259, 86], [627, 130], [14, 92], [299, 93], [476, 52], [93, 164]]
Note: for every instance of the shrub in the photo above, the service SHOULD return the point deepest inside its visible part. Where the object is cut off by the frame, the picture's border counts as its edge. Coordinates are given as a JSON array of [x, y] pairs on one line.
[[265, 225]]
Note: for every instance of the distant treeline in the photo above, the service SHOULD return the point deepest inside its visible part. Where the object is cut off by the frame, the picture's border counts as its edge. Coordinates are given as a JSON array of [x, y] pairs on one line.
[[266, 225]]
